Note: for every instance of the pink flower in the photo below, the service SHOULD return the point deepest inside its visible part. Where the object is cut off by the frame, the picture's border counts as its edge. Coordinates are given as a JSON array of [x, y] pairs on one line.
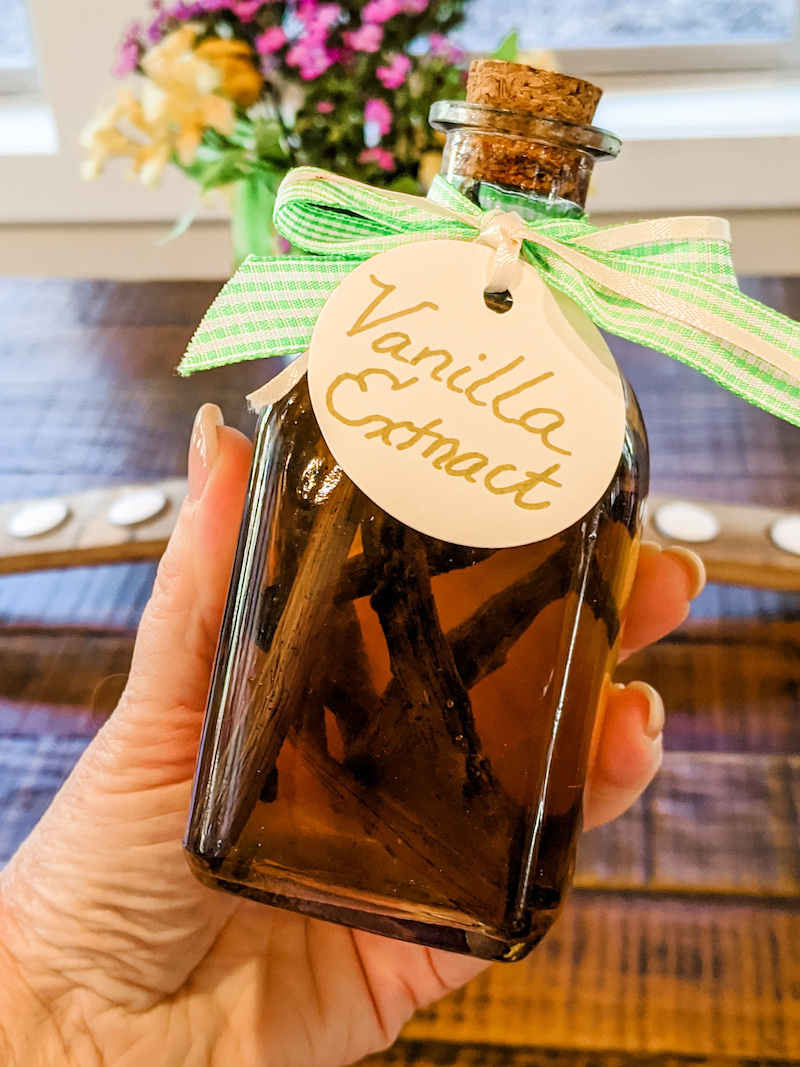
[[379, 156], [153, 31], [378, 112], [270, 41], [318, 17], [133, 31], [393, 76], [381, 10], [312, 59], [366, 39], [246, 9], [183, 11], [316, 64], [328, 15], [127, 59], [325, 107], [413, 7], [441, 48]]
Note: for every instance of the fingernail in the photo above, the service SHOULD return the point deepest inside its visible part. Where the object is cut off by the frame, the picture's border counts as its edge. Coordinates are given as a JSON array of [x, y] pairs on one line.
[[650, 546], [694, 566], [204, 448], [655, 708]]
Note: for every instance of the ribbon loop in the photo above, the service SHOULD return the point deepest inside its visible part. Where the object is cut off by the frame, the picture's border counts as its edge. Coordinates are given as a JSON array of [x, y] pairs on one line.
[[665, 283], [504, 231]]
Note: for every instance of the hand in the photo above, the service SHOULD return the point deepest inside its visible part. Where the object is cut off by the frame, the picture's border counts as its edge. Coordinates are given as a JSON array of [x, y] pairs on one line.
[[115, 954]]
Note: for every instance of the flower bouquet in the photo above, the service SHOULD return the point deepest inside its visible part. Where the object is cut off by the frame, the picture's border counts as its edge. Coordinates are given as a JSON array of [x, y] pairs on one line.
[[236, 92]]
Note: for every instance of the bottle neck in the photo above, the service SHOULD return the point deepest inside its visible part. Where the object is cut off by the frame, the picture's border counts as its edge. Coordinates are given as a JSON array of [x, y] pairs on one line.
[[496, 170]]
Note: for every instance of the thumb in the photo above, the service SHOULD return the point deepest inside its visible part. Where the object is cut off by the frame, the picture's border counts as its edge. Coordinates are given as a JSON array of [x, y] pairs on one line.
[[155, 730]]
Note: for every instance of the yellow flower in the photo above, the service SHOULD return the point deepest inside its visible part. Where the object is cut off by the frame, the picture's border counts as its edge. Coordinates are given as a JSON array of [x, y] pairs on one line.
[[233, 60], [173, 64], [151, 161], [103, 139], [181, 98], [182, 95]]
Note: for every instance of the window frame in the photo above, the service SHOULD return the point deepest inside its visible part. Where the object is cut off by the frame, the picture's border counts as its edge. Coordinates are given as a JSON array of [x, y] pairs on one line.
[[17, 81]]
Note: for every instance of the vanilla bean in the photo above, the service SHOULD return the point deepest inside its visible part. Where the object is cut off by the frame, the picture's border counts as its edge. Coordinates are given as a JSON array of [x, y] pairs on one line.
[[427, 692], [457, 864], [348, 692], [358, 581], [482, 642], [284, 668]]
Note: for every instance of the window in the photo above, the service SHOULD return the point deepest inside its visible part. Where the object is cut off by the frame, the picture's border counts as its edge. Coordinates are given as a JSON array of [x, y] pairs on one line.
[[17, 58], [625, 35]]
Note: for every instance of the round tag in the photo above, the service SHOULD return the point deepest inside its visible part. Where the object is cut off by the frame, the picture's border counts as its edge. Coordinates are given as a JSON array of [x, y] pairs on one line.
[[476, 427]]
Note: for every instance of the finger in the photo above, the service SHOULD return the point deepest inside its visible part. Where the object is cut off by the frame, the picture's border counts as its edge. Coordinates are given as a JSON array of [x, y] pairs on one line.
[[157, 723], [664, 585], [628, 752]]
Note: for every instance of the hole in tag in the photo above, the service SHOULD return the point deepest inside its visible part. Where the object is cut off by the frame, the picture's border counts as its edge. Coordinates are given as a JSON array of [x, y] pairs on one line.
[[499, 302]]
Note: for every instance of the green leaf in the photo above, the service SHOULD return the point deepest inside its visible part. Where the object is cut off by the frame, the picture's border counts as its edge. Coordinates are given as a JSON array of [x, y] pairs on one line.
[[181, 225], [507, 49], [228, 168]]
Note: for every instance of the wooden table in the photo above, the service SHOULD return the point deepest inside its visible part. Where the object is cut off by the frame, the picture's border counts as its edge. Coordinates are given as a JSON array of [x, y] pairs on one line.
[[681, 943]]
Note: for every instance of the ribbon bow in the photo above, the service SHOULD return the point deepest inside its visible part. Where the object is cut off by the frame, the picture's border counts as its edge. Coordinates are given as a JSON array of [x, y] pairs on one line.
[[665, 283]]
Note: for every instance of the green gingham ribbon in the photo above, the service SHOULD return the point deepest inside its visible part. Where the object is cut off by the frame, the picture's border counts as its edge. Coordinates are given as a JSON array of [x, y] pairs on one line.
[[668, 284]]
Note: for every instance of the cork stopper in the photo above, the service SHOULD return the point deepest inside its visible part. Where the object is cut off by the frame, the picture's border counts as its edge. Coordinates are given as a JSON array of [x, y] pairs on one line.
[[530, 130], [515, 87]]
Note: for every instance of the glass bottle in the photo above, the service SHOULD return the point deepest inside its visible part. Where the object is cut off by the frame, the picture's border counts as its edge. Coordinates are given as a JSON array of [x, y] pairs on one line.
[[398, 728]]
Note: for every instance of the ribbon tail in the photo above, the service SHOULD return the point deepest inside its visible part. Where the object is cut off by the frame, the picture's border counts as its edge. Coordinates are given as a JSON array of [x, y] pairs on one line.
[[268, 308], [747, 348]]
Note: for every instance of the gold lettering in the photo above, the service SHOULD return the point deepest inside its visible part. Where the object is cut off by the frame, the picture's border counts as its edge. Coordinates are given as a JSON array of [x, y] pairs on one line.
[[426, 353], [521, 420], [386, 345], [453, 376], [421, 431], [361, 322], [386, 432], [469, 393], [453, 462], [475, 461], [360, 380], [519, 489], [545, 430], [452, 444]]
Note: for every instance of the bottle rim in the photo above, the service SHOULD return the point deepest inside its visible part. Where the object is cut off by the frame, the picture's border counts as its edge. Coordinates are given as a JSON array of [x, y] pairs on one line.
[[446, 115]]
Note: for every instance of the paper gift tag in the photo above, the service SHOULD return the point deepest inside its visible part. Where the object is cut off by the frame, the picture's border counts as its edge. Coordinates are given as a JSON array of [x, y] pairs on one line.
[[475, 427]]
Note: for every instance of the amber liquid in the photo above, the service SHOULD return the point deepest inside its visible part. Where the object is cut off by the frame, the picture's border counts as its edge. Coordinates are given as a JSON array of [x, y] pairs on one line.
[[398, 728]]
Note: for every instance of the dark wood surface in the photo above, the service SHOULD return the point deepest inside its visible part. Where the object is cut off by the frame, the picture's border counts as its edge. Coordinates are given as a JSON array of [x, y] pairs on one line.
[[681, 943]]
